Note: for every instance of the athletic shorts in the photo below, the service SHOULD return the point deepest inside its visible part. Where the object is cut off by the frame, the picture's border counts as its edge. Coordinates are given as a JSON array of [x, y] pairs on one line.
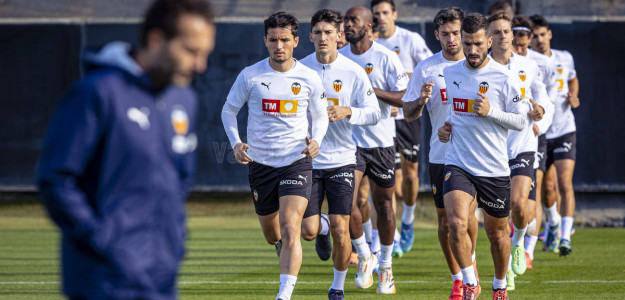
[[437, 174], [522, 164], [268, 184], [541, 153], [338, 185], [378, 164], [408, 141], [493, 193], [532, 195], [561, 148]]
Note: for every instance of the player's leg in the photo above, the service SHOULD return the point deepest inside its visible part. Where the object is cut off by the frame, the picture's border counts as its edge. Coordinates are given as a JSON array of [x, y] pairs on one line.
[[519, 192], [565, 168], [264, 182], [550, 203], [408, 144], [292, 209], [366, 261]]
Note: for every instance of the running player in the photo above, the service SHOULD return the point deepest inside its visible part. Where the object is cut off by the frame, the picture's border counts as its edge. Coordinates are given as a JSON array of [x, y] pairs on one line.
[[351, 101], [428, 76], [411, 49], [375, 152], [476, 161], [560, 138], [279, 91], [521, 145]]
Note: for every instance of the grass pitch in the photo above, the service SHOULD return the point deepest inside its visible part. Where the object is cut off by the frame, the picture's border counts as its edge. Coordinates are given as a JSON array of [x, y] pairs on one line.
[[227, 258]]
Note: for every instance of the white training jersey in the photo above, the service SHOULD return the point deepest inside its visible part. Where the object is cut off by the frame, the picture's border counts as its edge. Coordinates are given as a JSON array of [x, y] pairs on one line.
[[548, 71], [411, 49], [563, 119], [532, 87], [346, 84], [277, 124], [386, 73], [479, 145], [431, 69]]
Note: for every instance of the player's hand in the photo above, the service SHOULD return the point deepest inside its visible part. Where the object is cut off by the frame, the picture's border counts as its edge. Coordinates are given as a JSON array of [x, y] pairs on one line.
[[240, 153], [312, 148], [337, 113], [573, 101], [537, 111], [394, 111], [444, 132], [426, 92], [481, 106], [535, 129]]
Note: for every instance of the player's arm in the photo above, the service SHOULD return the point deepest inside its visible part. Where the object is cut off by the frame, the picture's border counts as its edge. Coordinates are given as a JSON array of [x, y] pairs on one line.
[[317, 106], [396, 81], [417, 95], [237, 97], [72, 139], [541, 101], [572, 97], [364, 109], [514, 115], [391, 97]]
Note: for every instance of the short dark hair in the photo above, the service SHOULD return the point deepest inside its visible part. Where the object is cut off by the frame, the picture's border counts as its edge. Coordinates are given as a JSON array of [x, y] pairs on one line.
[[164, 15], [501, 6], [282, 19], [447, 15], [376, 2], [521, 22], [500, 15], [327, 15], [375, 25], [539, 21], [473, 22]]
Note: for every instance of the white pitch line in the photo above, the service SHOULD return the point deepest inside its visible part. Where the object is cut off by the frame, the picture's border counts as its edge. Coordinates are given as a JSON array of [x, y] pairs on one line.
[[318, 282]]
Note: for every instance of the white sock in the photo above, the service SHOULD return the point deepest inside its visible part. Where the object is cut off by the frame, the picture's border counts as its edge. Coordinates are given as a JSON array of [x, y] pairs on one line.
[[517, 237], [530, 244], [362, 248], [468, 276], [367, 227], [499, 283], [455, 277], [287, 284], [407, 217], [531, 228], [552, 214], [397, 236], [339, 280], [375, 241], [473, 257], [325, 227], [567, 226], [386, 259]]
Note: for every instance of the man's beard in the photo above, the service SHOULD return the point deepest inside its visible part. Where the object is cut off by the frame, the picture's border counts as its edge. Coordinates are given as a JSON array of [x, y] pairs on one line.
[[478, 63], [452, 52], [357, 37]]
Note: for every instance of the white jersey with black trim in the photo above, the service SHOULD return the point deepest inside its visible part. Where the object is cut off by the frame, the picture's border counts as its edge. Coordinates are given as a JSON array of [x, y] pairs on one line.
[[346, 84], [431, 69], [479, 145], [411, 49], [563, 118], [532, 87], [386, 73], [277, 124]]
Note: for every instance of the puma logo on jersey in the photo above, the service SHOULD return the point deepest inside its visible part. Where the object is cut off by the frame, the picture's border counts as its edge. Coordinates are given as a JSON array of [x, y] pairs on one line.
[[265, 84], [140, 116], [349, 181], [441, 75], [457, 84]]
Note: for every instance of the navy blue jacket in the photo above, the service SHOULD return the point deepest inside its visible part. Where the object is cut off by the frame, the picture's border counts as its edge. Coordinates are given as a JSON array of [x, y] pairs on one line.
[[115, 171]]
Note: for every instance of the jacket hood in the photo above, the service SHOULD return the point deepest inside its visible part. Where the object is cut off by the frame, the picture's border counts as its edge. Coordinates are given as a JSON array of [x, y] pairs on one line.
[[117, 55]]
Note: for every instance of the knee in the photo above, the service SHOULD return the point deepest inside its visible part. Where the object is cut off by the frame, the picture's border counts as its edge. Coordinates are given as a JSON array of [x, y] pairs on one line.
[[339, 232], [443, 228], [290, 233], [383, 208], [565, 186], [498, 237], [308, 236], [271, 240], [456, 226], [517, 205]]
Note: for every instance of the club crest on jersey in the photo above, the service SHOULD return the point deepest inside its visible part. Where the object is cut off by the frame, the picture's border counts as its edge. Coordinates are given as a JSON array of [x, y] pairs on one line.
[[434, 189], [255, 194], [338, 84], [447, 175], [522, 75], [559, 68], [180, 121], [396, 49], [483, 87], [296, 87], [369, 68]]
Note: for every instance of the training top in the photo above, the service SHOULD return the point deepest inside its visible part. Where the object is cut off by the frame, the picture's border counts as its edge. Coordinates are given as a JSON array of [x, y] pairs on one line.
[[431, 69], [346, 84], [532, 87], [411, 49], [548, 70], [386, 73], [478, 145], [277, 102], [563, 119]]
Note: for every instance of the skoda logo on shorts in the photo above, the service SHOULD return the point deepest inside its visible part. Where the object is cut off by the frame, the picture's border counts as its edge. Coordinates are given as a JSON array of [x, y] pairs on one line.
[[255, 194], [447, 175]]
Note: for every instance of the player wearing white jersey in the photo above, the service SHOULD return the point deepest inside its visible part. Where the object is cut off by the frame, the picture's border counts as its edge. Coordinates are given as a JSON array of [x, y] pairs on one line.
[[279, 91], [351, 101], [375, 152], [427, 87], [560, 139], [411, 49], [522, 144], [476, 161]]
